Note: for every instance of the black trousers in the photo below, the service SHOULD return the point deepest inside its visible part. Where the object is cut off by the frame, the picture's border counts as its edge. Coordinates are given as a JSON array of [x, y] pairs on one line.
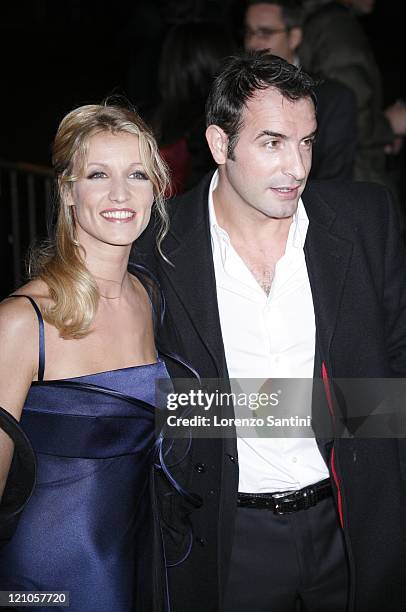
[[290, 563]]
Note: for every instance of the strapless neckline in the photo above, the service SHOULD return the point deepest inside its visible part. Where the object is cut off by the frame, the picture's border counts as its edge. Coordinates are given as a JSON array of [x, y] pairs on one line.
[[103, 372]]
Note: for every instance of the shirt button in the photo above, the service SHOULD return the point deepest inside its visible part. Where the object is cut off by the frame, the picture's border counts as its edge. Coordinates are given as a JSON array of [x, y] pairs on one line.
[[294, 459]]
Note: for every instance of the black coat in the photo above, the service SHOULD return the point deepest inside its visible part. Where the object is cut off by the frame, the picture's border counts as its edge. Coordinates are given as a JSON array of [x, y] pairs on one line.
[[357, 273]]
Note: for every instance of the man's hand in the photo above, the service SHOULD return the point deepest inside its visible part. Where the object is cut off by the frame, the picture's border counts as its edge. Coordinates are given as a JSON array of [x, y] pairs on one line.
[[395, 147], [396, 114]]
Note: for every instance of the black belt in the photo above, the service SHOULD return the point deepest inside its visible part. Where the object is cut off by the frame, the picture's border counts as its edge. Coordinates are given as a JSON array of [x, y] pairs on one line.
[[284, 502]]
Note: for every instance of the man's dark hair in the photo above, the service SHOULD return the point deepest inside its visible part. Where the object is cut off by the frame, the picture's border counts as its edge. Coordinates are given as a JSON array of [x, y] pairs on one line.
[[292, 11], [240, 79]]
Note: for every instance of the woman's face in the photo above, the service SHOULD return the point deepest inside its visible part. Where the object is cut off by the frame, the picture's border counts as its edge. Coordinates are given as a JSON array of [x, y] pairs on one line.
[[113, 197]]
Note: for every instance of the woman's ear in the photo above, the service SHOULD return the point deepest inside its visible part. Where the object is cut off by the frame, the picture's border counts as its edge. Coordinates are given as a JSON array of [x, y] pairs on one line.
[[217, 140], [67, 195]]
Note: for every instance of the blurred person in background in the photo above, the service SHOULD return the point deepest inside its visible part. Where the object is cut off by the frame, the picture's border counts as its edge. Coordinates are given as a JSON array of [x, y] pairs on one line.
[[191, 56], [334, 45], [277, 25]]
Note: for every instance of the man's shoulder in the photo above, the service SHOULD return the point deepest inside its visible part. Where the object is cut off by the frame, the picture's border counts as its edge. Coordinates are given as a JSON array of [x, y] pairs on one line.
[[347, 189], [350, 199], [195, 196], [186, 212], [334, 27], [190, 209], [329, 13]]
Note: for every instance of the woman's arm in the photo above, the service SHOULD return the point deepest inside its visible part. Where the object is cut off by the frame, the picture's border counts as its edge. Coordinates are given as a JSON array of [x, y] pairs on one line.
[[18, 367]]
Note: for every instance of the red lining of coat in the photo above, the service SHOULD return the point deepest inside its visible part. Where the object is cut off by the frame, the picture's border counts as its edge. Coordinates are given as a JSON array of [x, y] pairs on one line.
[[327, 389]]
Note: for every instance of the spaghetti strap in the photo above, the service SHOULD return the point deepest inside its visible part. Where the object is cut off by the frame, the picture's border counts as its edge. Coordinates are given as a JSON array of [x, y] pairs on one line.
[[41, 343]]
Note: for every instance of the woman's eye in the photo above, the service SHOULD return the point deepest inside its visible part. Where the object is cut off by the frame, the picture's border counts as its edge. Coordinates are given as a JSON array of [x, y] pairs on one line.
[[97, 175], [138, 174]]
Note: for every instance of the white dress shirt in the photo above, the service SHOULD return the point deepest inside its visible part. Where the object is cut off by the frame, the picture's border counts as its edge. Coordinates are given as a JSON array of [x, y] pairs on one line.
[[265, 337]]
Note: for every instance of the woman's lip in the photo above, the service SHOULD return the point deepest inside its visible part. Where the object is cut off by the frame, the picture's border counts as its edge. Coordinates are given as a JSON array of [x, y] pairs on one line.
[[118, 215]]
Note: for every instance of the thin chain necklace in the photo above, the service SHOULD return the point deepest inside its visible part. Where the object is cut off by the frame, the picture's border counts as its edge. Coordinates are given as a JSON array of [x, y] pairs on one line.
[[106, 297]]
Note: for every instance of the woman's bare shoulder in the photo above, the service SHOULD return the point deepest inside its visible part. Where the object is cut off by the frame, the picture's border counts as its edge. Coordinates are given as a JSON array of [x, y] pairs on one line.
[[36, 288], [17, 316], [19, 341]]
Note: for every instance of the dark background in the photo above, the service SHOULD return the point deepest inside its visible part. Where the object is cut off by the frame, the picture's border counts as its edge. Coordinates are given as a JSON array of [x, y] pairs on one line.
[[58, 55]]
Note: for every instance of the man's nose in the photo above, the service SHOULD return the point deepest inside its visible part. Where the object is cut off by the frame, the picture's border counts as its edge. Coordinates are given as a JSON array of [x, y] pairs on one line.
[[254, 43], [294, 164]]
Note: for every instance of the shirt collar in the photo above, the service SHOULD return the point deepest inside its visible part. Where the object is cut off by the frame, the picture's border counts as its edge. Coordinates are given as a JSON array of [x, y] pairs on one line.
[[214, 226]]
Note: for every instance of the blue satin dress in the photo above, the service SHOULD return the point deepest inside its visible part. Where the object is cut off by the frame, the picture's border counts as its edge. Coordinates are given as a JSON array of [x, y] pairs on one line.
[[87, 527]]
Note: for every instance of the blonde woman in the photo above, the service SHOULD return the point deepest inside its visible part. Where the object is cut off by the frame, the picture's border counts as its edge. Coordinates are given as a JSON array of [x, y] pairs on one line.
[[78, 367]]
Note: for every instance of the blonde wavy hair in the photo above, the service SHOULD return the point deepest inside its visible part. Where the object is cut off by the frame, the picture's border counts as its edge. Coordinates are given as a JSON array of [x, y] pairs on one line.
[[60, 264]]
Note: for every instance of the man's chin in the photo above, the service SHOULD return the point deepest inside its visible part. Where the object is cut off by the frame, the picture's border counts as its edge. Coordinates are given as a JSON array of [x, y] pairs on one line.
[[283, 212]]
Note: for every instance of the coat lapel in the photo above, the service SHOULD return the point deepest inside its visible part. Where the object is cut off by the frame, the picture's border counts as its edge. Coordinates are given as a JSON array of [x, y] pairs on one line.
[[192, 276], [328, 258]]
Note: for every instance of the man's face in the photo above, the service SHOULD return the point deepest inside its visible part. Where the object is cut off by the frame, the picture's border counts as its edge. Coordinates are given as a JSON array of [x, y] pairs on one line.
[[272, 157], [266, 29]]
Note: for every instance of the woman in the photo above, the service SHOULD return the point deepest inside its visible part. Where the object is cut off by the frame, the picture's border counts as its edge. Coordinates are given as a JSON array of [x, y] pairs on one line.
[[78, 366]]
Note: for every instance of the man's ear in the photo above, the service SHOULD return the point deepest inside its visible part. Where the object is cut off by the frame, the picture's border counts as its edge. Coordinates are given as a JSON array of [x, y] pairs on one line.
[[295, 38], [217, 140]]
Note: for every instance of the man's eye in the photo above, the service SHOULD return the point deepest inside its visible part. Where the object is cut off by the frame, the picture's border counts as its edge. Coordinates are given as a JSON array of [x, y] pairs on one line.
[[138, 174], [309, 142], [272, 144], [97, 175]]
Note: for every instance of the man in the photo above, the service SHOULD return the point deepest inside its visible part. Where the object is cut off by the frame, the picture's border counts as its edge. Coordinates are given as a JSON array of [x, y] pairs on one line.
[[269, 277], [277, 25], [334, 45]]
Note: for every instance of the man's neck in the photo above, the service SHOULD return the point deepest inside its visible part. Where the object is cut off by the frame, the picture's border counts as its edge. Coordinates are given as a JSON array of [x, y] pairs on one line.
[[260, 241], [248, 226]]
